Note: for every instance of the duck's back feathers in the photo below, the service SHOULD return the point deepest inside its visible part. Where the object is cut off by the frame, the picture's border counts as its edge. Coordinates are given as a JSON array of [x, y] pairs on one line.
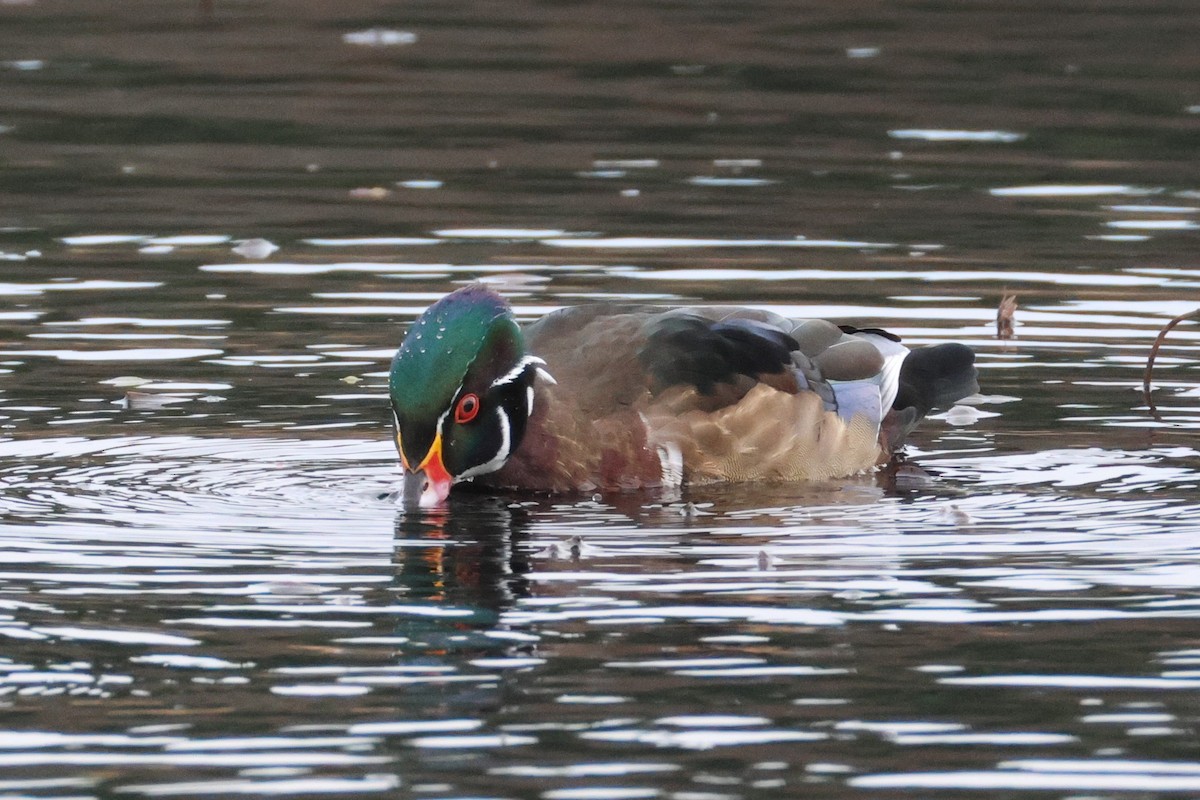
[[646, 396]]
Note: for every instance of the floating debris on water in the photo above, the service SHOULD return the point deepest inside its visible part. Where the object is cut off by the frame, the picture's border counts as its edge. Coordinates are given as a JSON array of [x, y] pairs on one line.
[[126, 380], [1004, 317], [1148, 374], [953, 514], [256, 249], [964, 415], [149, 401], [987, 399]]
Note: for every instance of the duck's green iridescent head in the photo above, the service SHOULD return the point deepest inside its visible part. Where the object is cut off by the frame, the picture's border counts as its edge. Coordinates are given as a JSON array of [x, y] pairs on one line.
[[461, 390]]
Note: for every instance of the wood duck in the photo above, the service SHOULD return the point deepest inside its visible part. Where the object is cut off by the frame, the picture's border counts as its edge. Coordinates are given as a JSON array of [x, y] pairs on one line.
[[617, 396]]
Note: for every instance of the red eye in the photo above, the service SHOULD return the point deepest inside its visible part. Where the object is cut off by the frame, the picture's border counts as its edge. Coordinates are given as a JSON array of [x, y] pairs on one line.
[[467, 408]]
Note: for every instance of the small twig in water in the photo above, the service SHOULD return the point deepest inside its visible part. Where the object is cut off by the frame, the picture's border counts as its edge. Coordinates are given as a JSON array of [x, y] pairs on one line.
[[1149, 373], [1004, 317]]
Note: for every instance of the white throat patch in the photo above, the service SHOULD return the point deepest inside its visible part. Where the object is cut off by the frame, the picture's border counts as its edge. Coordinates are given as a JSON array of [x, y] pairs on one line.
[[497, 461]]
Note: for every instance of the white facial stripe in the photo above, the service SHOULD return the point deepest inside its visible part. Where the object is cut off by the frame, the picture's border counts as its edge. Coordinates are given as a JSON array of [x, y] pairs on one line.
[[516, 371], [497, 461], [529, 401]]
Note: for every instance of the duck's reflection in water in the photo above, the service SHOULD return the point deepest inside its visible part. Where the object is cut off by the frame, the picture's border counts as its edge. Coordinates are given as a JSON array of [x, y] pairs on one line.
[[462, 568]]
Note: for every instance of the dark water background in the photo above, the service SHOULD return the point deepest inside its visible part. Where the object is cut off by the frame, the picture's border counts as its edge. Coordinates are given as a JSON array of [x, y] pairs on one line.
[[205, 592]]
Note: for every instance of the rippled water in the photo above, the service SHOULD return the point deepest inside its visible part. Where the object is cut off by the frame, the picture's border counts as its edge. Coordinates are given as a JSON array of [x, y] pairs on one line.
[[206, 588]]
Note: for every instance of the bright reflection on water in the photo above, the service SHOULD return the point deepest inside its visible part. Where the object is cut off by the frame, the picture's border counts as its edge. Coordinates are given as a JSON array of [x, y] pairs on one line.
[[207, 589]]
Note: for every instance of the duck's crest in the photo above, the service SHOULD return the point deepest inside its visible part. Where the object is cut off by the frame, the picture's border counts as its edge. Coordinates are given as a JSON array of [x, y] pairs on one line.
[[441, 345]]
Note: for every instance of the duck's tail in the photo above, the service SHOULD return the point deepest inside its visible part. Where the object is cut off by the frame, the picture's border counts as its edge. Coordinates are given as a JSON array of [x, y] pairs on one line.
[[931, 377]]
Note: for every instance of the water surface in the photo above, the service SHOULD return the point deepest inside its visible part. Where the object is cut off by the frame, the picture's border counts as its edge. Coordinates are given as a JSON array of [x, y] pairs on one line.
[[206, 588]]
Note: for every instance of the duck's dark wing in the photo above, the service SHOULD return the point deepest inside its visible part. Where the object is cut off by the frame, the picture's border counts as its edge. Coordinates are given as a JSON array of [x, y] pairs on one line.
[[611, 356], [686, 348]]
